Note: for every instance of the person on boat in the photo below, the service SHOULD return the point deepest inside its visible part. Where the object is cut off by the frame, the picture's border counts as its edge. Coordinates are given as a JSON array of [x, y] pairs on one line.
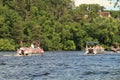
[[37, 44], [118, 47], [114, 48], [32, 45], [21, 43]]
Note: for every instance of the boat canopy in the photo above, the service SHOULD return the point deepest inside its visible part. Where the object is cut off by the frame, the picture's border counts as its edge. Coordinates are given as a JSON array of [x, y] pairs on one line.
[[91, 43]]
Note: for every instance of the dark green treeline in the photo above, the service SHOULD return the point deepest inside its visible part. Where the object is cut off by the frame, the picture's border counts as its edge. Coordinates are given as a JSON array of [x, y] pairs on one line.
[[57, 24]]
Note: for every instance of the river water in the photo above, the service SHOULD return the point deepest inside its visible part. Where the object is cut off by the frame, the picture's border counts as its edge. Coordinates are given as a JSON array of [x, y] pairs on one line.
[[60, 65]]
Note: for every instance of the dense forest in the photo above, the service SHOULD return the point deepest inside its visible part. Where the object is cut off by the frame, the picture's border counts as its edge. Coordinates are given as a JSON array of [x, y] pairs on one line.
[[56, 24]]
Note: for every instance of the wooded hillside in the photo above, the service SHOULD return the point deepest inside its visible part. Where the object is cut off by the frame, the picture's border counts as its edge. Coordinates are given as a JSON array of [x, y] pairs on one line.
[[57, 24]]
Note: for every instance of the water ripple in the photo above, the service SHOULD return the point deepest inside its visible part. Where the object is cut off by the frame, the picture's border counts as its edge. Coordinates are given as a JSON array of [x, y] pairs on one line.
[[62, 65]]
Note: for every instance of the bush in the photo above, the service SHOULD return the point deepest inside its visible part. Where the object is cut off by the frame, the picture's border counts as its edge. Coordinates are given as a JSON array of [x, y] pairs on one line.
[[7, 45], [69, 45]]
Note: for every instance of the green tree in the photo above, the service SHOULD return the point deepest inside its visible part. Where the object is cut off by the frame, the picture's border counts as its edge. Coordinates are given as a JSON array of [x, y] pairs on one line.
[[7, 45], [69, 45], [17, 31], [36, 32], [4, 29]]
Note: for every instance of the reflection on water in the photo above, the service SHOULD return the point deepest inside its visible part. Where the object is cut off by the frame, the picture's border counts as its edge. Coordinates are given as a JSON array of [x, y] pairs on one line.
[[64, 65]]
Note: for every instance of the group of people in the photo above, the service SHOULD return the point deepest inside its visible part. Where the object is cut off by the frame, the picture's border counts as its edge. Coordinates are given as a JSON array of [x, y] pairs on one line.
[[35, 44], [99, 48], [115, 48]]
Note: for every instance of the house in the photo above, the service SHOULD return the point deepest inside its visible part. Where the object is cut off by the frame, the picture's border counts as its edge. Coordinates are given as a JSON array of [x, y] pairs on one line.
[[105, 14]]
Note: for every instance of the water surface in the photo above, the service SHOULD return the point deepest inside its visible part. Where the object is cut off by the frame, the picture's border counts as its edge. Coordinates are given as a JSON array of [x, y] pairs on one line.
[[60, 65]]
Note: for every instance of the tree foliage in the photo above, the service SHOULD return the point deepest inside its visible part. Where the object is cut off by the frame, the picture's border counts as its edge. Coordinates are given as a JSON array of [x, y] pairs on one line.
[[7, 45], [57, 24]]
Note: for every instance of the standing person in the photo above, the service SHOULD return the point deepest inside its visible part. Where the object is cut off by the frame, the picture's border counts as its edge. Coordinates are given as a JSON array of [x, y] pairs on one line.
[[37, 44], [32, 45], [21, 43]]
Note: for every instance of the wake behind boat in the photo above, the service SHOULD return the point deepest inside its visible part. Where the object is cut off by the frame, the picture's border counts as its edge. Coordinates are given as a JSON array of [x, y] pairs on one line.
[[21, 55]]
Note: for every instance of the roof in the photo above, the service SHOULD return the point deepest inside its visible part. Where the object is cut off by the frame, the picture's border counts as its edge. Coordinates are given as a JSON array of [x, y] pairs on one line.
[[91, 43], [104, 14]]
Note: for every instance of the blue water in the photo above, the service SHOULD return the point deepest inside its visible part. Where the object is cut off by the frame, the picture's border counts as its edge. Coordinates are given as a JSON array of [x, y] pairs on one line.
[[60, 65]]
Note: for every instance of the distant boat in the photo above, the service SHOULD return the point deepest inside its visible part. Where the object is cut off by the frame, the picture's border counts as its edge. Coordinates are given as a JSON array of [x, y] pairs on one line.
[[115, 49], [33, 49], [93, 48]]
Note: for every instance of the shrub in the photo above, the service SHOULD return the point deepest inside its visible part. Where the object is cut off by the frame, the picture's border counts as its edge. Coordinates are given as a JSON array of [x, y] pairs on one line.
[[7, 45]]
